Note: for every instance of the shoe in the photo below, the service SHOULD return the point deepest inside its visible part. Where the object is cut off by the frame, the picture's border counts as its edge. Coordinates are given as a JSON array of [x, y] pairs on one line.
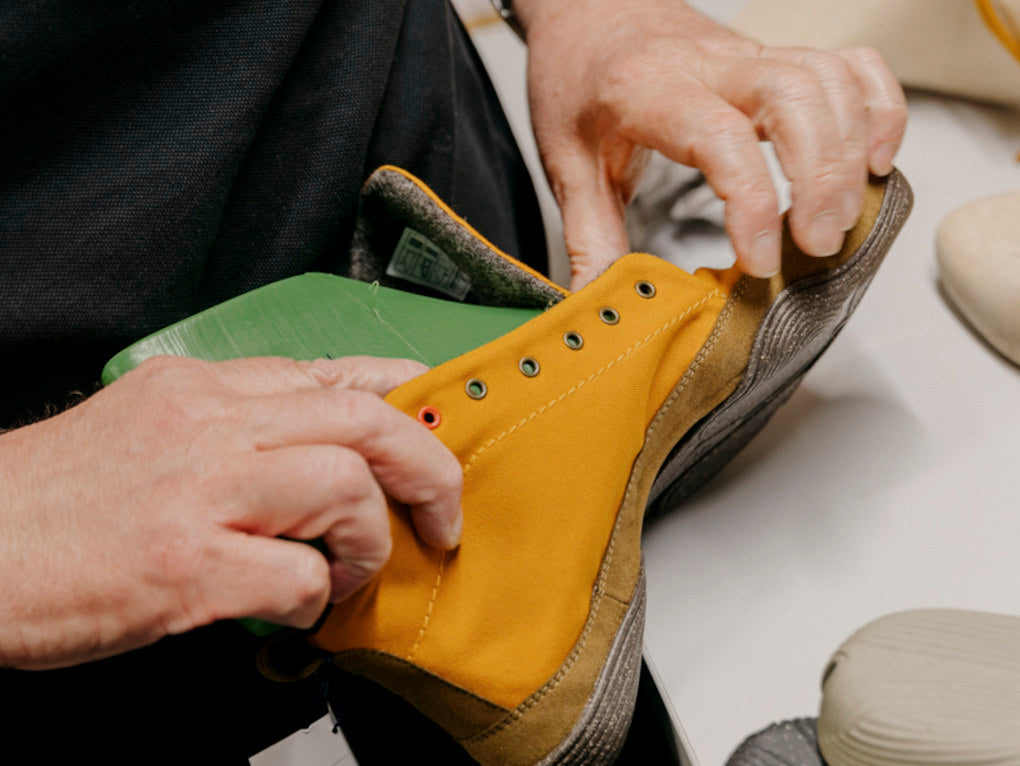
[[979, 271], [788, 743], [934, 686], [525, 643], [942, 46]]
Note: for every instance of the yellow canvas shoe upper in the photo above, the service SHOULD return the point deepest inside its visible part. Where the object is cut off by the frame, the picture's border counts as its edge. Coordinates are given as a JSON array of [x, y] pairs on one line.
[[547, 453]]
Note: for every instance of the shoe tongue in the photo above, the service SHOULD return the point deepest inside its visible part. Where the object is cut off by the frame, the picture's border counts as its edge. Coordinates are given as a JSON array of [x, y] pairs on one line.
[[408, 239]]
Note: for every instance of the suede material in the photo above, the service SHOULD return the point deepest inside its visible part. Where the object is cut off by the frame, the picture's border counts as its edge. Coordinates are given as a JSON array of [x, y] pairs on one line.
[[392, 199], [457, 710], [542, 721]]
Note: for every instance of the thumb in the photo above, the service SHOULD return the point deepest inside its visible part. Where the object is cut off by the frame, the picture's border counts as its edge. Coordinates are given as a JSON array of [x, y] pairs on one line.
[[593, 210]]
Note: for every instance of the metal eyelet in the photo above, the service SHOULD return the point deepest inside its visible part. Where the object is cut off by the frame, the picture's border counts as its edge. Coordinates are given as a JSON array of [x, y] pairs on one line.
[[573, 340], [476, 388], [429, 417], [608, 315], [645, 289], [528, 366]]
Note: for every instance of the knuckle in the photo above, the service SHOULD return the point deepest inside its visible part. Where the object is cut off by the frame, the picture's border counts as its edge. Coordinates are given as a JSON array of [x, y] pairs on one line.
[[722, 131], [174, 554], [863, 56], [753, 205], [828, 174], [182, 414], [176, 394], [723, 126], [890, 121], [362, 537], [351, 477], [623, 70], [829, 66], [325, 372], [632, 79], [311, 580], [788, 83], [360, 410]]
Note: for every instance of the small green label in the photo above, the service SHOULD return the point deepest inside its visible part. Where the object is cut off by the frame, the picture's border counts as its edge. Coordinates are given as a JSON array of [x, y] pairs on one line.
[[418, 260]]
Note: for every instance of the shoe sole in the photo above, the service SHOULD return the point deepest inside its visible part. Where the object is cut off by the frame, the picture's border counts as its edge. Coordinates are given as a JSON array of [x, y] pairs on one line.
[[789, 743], [798, 327], [601, 730]]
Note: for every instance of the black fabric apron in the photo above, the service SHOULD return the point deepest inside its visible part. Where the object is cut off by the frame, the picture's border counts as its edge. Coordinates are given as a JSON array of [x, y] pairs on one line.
[[159, 157]]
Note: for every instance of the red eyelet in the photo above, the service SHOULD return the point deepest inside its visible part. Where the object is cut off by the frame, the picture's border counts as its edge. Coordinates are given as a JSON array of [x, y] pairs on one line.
[[429, 417]]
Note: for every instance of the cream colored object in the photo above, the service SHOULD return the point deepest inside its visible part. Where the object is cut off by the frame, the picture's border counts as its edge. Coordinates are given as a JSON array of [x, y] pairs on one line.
[[1003, 18], [940, 45], [925, 687], [978, 251]]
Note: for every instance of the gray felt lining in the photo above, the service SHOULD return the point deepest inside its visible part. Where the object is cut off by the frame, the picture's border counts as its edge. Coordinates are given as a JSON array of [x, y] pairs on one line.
[[391, 201]]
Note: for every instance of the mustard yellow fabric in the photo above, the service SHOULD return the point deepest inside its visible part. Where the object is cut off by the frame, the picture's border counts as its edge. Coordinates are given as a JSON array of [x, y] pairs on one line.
[[546, 460]]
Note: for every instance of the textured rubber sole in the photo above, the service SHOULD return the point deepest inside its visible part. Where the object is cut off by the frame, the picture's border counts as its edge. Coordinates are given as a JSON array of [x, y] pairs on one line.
[[797, 328], [599, 733], [789, 743], [925, 687]]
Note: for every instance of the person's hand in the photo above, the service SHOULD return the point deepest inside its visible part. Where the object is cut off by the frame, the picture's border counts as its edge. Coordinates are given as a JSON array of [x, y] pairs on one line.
[[161, 503], [608, 77]]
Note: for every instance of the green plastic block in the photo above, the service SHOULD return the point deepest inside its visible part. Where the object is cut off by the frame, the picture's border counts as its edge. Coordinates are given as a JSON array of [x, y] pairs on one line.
[[320, 315]]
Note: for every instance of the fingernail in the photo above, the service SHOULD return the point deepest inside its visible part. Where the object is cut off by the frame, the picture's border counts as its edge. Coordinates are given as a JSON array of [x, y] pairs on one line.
[[763, 258], [826, 234], [454, 532], [881, 159]]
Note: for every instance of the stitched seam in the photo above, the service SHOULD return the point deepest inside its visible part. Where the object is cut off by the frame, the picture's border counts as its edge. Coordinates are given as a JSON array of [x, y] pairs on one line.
[[599, 590], [573, 389], [700, 357], [429, 607]]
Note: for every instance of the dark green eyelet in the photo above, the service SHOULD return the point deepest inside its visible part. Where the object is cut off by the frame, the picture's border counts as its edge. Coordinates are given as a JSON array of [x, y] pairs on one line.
[[645, 289], [528, 366], [476, 388]]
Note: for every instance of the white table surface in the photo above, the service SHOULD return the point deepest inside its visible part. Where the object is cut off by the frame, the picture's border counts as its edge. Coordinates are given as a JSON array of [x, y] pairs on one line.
[[890, 480]]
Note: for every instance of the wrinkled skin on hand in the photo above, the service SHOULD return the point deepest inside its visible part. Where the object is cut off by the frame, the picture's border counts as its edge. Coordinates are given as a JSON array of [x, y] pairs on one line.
[[159, 504], [609, 78]]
